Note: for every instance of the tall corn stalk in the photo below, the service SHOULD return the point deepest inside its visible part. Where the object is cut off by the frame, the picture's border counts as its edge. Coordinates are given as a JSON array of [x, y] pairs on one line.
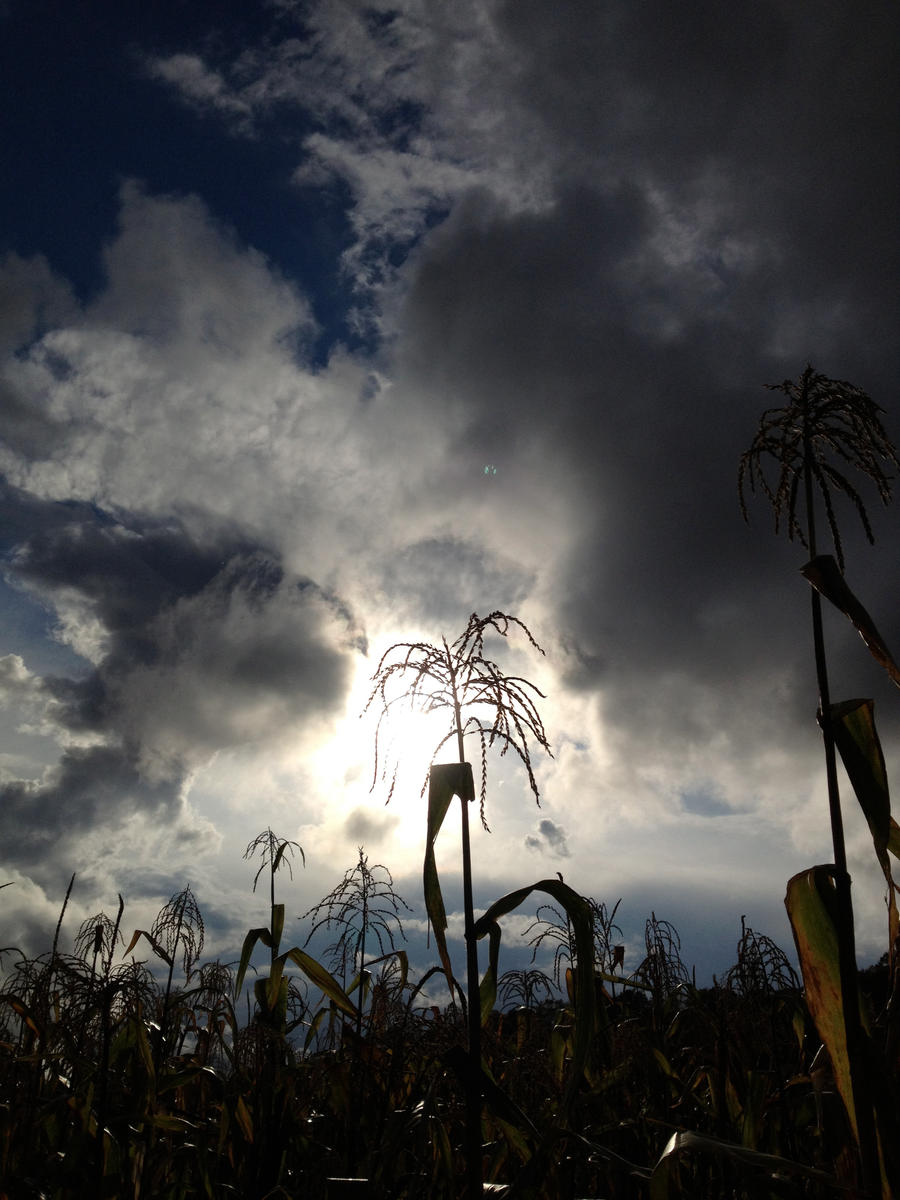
[[457, 678], [826, 427]]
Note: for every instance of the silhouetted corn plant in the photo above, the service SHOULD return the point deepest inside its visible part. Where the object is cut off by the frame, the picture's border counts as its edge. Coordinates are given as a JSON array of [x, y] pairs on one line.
[[479, 699], [524, 988], [555, 928], [828, 428], [364, 907], [272, 993]]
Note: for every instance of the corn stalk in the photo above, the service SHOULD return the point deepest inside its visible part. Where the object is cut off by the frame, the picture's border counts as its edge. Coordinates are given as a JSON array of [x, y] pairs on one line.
[[458, 678], [827, 426]]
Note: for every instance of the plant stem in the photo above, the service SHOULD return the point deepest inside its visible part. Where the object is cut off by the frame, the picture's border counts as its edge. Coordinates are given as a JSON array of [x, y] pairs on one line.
[[473, 1083], [862, 1094]]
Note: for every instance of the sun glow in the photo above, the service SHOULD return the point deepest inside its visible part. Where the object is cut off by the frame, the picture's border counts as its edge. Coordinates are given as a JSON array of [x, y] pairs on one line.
[[407, 740]]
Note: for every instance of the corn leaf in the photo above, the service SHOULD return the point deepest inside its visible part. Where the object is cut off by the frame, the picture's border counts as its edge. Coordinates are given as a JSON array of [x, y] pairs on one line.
[[27, 1015], [685, 1142], [322, 978], [825, 576], [624, 980], [402, 958], [313, 1030], [277, 924], [811, 903], [243, 1118], [578, 911], [171, 1123], [853, 723], [253, 936], [894, 839], [855, 735], [156, 947], [445, 780], [487, 990]]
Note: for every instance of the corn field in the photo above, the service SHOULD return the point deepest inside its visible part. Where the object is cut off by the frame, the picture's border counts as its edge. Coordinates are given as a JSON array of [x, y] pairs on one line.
[[126, 1077]]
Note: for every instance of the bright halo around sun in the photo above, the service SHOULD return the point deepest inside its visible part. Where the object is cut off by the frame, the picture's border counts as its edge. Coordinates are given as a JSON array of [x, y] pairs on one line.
[[407, 741]]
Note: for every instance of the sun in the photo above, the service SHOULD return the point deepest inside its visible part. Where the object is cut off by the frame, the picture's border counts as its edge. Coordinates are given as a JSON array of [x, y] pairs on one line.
[[407, 741]]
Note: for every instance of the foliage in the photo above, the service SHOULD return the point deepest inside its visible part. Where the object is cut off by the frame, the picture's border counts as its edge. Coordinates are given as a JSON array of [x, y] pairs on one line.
[[828, 427], [587, 1093], [362, 906]]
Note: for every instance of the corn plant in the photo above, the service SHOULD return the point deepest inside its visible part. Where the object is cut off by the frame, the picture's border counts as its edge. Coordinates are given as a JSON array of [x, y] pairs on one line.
[[827, 429], [555, 928], [264, 1044], [480, 700], [363, 907]]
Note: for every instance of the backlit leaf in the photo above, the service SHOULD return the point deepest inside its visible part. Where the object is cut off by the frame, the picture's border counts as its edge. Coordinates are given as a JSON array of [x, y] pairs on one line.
[[811, 903], [322, 978]]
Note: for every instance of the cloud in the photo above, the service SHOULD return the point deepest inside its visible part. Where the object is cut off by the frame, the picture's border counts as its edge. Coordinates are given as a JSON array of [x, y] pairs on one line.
[[367, 828], [404, 111], [189, 649], [202, 86], [550, 838]]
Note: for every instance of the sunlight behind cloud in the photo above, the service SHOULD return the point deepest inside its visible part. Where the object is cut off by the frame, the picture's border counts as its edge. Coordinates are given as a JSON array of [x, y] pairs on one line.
[[345, 767]]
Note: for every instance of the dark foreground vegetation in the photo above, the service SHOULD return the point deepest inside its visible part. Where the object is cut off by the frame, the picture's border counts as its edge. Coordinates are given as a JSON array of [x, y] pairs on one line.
[[121, 1081]]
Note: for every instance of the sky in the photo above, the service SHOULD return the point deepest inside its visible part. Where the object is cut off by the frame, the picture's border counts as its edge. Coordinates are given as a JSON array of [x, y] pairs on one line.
[[324, 325]]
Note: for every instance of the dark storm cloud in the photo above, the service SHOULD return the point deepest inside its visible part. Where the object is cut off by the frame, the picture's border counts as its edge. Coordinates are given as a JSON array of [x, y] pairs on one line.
[[194, 648], [91, 791], [780, 119], [642, 435], [127, 571], [718, 221]]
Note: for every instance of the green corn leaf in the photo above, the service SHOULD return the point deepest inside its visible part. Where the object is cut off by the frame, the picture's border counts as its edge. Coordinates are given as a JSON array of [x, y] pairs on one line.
[[322, 978], [853, 723], [487, 991], [271, 998], [143, 1046], [274, 981], [277, 924], [314, 1024], [243, 1118], [894, 839], [177, 1079], [171, 1124], [253, 936], [445, 780]]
